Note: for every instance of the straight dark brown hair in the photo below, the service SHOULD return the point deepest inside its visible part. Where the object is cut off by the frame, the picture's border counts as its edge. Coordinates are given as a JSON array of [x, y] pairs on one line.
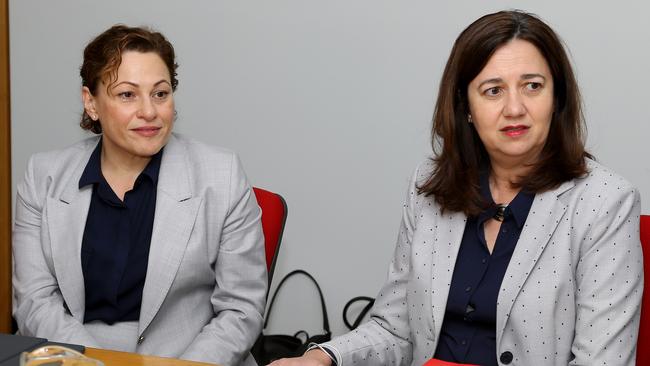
[[459, 153]]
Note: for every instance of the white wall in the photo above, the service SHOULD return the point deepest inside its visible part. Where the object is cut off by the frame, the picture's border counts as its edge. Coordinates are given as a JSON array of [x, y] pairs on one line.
[[328, 103]]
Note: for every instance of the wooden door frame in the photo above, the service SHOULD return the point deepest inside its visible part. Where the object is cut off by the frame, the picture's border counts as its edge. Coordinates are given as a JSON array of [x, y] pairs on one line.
[[5, 173]]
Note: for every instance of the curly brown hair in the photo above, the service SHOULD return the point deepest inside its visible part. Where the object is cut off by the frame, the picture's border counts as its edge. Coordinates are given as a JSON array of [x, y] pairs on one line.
[[103, 56]]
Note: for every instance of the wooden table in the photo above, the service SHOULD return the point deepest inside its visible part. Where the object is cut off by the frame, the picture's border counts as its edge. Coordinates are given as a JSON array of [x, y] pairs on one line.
[[115, 358]]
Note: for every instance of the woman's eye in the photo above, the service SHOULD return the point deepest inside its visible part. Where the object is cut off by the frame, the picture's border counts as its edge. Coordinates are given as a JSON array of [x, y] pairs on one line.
[[162, 94], [126, 95], [492, 92], [533, 86]]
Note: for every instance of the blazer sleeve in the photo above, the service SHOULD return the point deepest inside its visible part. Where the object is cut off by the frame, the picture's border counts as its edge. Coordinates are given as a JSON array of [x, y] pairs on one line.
[[239, 296], [385, 338], [609, 284], [38, 305]]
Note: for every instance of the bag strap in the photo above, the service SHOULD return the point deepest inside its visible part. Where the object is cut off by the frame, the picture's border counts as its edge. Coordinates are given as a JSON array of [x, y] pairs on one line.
[[326, 323], [363, 312]]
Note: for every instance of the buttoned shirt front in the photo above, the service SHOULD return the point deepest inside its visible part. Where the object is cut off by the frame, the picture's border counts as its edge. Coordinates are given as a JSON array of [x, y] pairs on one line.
[[116, 239], [468, 332]]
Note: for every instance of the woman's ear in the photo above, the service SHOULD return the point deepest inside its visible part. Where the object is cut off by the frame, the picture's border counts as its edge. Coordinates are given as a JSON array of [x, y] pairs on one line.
[[89, 103]]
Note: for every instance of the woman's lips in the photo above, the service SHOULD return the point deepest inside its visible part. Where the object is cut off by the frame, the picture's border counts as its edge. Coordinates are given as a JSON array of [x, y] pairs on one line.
[[146, 131], [515, 130]]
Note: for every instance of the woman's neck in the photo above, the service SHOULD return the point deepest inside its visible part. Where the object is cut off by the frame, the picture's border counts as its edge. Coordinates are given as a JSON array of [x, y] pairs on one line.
[[123, 163], [121, 170], [503, 178]]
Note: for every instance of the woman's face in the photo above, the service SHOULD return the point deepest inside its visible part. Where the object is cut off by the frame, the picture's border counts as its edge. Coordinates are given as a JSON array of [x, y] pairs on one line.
[[136, 112], [511, 103]]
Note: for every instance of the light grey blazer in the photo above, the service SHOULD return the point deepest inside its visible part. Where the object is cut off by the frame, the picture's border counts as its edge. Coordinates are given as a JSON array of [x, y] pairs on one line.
[[570, 295], [205, 287]]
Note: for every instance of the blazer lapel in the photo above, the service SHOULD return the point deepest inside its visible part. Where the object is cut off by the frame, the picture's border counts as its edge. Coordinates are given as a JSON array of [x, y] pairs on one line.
[[66, 217], [176, 212], [544, 216], [449, 234]]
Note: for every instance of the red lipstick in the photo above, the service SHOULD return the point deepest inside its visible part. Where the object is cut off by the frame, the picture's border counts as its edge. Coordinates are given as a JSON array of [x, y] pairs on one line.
[[146, 131], [515, 130]]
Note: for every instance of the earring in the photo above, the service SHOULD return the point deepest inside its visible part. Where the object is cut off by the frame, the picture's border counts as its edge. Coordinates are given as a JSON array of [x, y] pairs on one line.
[[469, 118]]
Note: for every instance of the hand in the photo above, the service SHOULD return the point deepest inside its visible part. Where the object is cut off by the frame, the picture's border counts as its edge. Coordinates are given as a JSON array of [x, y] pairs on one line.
[[314, 357]]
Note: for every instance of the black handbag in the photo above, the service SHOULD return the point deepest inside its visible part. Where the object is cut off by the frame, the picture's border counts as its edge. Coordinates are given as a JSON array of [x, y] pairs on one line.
[[370, 302], [269, 348]]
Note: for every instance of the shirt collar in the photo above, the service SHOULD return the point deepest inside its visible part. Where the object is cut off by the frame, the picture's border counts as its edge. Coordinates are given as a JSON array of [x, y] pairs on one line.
[[518, 207], [93, 171], [153, 167]]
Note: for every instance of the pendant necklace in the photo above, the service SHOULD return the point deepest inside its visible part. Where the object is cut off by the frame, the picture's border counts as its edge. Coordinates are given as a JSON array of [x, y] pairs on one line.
[[501, 212]]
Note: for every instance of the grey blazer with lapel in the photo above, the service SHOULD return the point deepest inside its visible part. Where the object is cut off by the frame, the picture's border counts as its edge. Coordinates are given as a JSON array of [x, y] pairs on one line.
[[570, 296], [205, 287]]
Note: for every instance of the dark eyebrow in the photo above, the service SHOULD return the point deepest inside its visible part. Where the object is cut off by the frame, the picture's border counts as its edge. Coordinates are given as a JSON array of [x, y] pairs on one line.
[[136, 85], [125, 82], [499, 80], [532, 76], [490, 81], [162, 81]]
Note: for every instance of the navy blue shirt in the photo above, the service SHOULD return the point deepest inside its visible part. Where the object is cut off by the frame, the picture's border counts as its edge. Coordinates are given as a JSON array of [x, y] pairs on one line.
[[115, 247], [469, 328]]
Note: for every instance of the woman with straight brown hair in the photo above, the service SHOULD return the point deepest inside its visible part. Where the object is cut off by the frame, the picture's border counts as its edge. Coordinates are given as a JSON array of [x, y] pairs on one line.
[[516, 247]]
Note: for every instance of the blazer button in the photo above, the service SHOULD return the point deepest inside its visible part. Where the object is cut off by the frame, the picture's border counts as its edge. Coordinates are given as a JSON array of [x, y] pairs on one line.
[[506, 357], [141, 339]]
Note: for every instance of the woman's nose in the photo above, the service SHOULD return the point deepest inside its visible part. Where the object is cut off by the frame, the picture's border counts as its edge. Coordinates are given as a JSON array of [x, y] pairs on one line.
[[514, 105], [147, 110]]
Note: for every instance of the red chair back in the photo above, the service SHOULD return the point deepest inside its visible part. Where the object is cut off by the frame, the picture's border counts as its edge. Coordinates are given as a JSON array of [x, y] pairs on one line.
[[643, 345], [274, 215]]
